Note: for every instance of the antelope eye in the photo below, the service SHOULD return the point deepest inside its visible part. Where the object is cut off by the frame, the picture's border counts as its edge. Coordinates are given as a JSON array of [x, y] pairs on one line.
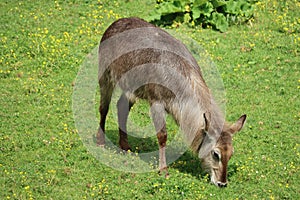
[[216, 155]]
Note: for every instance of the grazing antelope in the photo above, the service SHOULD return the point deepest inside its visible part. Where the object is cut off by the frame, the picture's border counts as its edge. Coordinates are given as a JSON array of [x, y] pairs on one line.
[[148, 63]]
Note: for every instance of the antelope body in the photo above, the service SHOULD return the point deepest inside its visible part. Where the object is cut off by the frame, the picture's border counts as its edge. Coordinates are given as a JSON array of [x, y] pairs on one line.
[[148, 63]]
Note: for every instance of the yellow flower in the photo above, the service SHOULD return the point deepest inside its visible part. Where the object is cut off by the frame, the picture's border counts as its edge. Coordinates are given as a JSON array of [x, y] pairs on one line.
[[187, 8], [285, 29]]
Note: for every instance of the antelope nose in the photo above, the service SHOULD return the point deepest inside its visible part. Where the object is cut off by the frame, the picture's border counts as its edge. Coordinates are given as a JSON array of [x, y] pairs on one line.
[[220, 184]]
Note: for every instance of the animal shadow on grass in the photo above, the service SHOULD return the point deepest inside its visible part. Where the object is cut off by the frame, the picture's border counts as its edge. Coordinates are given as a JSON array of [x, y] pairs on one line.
[[138, 145], [188, 163]]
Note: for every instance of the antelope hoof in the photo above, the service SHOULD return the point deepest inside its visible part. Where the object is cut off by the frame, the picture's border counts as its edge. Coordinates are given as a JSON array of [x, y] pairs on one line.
[[100, 138], [100, 143], [164, 171], [125, 146], [126, 150]]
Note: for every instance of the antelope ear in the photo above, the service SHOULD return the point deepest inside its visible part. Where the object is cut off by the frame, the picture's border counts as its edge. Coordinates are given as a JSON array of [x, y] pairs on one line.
[[238, 124], [206, 121]]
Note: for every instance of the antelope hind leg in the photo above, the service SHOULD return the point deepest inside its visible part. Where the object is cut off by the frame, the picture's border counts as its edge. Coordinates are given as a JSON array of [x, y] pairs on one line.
[[124, 107], [105, 98]]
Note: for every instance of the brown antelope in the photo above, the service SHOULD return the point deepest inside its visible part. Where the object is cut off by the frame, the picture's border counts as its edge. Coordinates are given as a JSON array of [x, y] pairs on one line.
[[148, 63]]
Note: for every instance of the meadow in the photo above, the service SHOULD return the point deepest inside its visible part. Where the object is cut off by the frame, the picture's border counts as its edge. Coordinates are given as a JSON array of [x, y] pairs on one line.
[[43, 45]]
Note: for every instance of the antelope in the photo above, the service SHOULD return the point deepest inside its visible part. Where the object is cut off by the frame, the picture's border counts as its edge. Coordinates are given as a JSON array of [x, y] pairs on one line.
[[148, 63]]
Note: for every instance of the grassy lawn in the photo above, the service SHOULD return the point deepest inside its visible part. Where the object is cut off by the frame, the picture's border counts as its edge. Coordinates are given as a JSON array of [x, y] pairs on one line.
[[43, 44]]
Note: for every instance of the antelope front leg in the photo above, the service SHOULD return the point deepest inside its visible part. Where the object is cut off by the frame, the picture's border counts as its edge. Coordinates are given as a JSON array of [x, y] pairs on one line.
[[162, 140], [158, 117]]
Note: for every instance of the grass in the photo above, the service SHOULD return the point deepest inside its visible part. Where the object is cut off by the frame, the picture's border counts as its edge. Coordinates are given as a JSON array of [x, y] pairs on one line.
[[43, 43]]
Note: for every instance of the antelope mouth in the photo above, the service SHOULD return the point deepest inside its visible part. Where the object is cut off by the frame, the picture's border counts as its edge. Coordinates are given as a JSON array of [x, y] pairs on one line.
[[213, 176], [221, 184], [214, 179]]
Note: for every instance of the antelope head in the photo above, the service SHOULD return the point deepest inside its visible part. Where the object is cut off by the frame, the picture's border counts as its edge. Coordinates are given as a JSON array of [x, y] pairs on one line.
[[215, 160]]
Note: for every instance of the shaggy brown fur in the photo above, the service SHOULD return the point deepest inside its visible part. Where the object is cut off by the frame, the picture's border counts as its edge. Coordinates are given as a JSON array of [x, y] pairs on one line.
[[146, 62]]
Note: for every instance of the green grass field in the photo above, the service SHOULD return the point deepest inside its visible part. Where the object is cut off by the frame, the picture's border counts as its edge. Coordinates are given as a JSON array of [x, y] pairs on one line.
[[43, 44]]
